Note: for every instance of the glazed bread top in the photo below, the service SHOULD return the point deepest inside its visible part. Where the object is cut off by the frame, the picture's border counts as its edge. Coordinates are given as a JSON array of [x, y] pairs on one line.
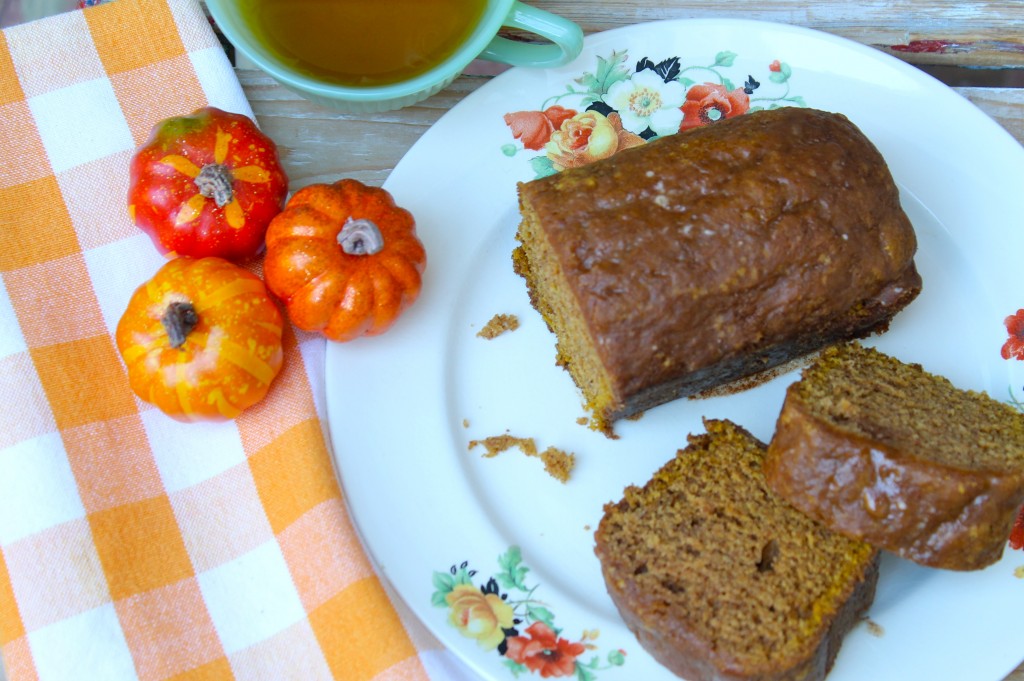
[[887, 452], [877, 398], [700, 246]]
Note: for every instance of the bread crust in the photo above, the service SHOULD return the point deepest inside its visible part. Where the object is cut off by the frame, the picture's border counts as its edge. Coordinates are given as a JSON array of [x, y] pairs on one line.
[[710, 255], [928, 512], [688, 656]]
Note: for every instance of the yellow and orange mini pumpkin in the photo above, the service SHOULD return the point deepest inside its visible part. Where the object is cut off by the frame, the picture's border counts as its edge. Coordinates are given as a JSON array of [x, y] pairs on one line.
[[201, 339]]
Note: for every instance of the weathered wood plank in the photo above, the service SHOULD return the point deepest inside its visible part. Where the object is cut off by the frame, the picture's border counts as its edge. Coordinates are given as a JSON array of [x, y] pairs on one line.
[[1005, 105], [986, 32], [318, 145]]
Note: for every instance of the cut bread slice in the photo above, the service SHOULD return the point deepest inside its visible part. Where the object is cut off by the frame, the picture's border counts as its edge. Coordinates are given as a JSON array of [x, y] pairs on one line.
[[884, 451], [720, 579]]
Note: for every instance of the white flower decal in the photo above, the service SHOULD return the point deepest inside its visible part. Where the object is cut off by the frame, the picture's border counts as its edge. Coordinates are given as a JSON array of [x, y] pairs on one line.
[[646, 101]]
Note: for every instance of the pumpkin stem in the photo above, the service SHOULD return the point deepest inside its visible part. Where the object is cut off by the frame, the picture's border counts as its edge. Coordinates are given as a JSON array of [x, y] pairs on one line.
[[179, 319], [360, 237], [215, 182]]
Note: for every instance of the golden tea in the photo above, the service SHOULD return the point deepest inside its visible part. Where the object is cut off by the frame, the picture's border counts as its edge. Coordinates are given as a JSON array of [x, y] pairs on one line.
[[362, 42]]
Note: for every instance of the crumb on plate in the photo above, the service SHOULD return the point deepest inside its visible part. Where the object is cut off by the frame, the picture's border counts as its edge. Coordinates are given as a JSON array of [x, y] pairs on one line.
[[499, 324], [557, 463]]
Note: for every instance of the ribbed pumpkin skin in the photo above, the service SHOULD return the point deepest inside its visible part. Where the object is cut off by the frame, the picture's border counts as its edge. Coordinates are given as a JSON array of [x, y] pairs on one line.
[[227, 360], [324, 288], [206, 185]]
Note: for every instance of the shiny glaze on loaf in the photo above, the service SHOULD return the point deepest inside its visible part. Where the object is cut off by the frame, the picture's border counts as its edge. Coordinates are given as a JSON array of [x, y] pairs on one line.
[[716, 253], [935, 515]]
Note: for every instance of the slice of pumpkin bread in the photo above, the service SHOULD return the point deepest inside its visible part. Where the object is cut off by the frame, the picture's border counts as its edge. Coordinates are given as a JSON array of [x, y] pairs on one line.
[[887, 452], [720, 579]]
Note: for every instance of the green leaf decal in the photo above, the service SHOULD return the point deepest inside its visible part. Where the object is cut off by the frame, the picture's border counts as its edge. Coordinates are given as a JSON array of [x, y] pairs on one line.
[[513, 574], [536, 612], [542, 166], [443, 582], [725, 58]]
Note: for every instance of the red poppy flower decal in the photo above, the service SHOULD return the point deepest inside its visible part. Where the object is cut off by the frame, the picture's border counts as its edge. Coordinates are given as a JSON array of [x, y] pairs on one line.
[[1017, 534], [1013, 348], [534, 128], [543, 652], [708, 102]]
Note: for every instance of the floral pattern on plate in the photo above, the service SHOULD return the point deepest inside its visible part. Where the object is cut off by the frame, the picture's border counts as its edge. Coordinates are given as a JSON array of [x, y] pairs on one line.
[[521, 629], [617, 106], [1013, 348]]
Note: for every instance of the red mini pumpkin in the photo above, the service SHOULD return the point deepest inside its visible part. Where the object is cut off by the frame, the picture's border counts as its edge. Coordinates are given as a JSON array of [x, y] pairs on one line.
[[201, 339], [345, 259], [206, 184]]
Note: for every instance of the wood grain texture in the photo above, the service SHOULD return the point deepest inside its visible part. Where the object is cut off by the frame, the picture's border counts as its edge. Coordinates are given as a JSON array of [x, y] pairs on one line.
[[986, 32], [319, 145]]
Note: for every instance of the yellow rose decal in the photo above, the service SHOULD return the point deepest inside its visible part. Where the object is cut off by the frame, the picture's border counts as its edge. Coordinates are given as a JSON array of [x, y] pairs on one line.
[[588, 137], [478, 615], [520, 630]]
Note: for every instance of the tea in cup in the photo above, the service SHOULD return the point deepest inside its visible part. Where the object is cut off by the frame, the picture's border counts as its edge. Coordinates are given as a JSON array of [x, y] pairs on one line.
[[375, 55]]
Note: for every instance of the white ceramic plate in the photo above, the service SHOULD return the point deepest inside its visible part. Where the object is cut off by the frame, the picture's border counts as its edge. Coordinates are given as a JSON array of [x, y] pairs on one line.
[[403, 407]]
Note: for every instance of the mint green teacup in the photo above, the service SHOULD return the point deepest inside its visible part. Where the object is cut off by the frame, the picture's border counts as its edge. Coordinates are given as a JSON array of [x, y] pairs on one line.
[[564, 40]]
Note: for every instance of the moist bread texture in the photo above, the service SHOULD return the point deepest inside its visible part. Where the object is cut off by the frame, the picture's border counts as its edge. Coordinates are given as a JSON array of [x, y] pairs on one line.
[[714, 254], [884, 451], [720, 579]]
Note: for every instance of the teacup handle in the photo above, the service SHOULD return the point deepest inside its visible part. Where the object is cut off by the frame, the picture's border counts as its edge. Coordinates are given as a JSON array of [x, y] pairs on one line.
[[565, 36]]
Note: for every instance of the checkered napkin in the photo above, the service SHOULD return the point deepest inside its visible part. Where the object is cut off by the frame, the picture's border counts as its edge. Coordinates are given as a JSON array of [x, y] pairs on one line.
[[131, 545]]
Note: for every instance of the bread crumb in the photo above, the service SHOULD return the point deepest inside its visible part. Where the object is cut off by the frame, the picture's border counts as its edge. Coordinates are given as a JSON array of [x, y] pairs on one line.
[[583, 420], [874, 628], [499, 324], [465, 423], [557, 463], [496, 444], [1018, 572]]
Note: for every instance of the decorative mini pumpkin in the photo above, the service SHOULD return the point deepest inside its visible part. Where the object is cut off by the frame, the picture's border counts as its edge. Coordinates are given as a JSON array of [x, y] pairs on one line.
[[201, 339], [344, 259], [206, 184]]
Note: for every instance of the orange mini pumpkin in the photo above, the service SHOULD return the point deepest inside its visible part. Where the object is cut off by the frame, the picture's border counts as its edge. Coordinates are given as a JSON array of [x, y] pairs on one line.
[[201, 339], [344, 259]]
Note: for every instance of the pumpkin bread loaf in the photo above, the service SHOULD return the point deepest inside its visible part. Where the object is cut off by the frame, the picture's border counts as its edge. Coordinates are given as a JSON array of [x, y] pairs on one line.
[[720, 579], [884, 451], [714, 254]]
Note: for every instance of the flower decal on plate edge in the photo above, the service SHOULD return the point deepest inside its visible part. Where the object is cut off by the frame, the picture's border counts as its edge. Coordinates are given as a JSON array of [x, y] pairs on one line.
[[1013, 348], [616, 107], [520, 629]]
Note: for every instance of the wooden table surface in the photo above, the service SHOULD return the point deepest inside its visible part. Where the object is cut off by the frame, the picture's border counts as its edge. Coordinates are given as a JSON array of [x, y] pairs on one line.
[[942, 36]]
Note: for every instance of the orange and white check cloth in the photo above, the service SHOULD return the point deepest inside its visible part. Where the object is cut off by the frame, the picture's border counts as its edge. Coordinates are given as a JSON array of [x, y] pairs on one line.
[[133, 546]]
